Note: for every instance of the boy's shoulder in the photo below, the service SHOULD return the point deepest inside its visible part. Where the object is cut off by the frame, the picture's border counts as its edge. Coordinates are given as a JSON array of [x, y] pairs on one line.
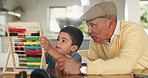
[[75, 55]]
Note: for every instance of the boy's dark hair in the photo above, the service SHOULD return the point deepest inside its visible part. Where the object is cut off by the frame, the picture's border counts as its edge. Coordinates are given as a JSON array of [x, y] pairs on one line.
[[75, 34]]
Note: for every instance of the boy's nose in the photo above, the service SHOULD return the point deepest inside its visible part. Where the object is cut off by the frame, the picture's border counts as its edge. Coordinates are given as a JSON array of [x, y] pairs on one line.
[[58, 42]]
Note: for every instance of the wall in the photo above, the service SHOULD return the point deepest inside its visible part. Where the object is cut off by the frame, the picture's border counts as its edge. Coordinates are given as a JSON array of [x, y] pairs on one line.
[[9, 4], [132, 10], [38, 9]]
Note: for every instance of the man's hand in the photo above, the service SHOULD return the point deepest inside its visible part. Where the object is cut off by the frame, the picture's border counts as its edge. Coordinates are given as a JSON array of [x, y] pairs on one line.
[[69, 65], [45, 43]]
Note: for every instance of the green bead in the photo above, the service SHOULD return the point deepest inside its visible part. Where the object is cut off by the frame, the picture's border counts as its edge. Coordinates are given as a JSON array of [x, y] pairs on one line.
[[31, 38], [30, 59]]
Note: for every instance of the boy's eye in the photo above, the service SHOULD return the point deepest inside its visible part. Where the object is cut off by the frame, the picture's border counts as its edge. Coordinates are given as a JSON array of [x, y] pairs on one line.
[[57, 39], [64, 40]]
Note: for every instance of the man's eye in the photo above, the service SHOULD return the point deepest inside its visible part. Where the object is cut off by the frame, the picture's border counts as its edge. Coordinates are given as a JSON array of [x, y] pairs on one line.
[[92, 25]]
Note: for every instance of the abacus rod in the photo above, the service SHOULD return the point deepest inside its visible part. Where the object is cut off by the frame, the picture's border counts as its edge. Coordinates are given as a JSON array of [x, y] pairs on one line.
[[21, 54], [18, 46], [23, 38], [22, 67], [17, 42], [17, 63], [21, 58], [25, 58], [19, 51]]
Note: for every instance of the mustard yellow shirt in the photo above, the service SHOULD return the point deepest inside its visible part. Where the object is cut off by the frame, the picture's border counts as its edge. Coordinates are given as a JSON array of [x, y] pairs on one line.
[[128, 51]]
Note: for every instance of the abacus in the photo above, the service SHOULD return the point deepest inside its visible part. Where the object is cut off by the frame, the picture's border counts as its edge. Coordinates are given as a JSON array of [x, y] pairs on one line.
[[24, 42]]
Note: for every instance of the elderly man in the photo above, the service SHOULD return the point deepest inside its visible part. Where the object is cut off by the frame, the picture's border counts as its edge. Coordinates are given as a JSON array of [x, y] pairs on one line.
[[116, 47]]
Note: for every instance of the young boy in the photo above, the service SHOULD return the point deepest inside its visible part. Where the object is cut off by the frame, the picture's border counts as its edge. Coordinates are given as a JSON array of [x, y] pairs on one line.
[[68, 42]]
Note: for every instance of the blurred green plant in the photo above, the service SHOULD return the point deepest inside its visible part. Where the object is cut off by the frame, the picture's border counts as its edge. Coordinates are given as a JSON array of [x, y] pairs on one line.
[[144, 15], [83, 27]]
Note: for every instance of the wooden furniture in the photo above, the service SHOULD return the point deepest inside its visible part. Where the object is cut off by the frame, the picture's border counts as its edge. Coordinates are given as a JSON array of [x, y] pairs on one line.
[[57, 74]]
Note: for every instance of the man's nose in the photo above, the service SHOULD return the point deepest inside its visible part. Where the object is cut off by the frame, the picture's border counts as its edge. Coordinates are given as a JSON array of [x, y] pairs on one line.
[[89, 29]]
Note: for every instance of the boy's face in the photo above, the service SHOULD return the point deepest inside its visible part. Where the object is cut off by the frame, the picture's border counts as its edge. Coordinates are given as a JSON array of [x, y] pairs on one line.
[[64, 43]]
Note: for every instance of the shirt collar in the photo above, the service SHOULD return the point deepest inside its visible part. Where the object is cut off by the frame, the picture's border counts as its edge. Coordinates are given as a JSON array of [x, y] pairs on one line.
[[116, 32]]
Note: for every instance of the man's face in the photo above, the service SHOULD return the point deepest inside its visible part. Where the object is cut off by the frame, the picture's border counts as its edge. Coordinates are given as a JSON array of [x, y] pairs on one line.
[[99, 29]]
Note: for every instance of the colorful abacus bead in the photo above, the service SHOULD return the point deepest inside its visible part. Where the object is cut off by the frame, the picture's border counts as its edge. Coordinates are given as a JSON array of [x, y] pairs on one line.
[[33, 67], [33, 63], [33, 51], [31, 38], [33, 47], [33, 59], [17, 29], [13, 34], [33, 55], [31, 43], [35, 34]]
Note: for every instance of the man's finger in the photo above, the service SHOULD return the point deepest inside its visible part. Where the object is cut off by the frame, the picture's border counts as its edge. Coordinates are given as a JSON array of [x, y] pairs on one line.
[[61, 68], [60, 59]]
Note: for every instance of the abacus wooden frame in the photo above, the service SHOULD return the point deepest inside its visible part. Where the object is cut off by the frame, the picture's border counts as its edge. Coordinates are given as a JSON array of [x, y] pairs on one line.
[[10, 50]]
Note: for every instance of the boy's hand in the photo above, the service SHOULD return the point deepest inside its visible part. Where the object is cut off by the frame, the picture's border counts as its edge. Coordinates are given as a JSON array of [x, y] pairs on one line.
[[45, 43]]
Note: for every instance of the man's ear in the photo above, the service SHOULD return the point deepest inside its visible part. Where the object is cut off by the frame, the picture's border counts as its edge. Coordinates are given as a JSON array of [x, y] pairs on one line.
[[74, 48], [109, 21]]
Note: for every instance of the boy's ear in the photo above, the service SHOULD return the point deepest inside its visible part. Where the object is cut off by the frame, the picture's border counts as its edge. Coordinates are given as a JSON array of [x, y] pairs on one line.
[[74, 48]]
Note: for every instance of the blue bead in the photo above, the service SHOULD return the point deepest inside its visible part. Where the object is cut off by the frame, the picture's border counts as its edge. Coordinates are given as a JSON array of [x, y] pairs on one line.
[[33, 67], [33, 47]]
